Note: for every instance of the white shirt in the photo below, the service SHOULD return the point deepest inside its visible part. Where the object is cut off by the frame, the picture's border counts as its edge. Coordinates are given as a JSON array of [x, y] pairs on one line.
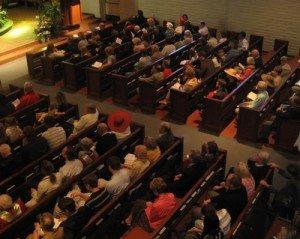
[[118, 182], [85, 121], [55, 136], [243, 45], [203, 31], [71, 168]]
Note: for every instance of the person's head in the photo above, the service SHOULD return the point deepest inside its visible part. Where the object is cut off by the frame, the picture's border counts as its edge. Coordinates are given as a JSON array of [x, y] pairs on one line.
[[81, 35], [11, 121], [169, 25], [28, 87], [242, 170], [209, 211], [284, 60], [91, 108], [255, 53], [86, 143], [189, 72], [233, 181], [102, 128], [6, 202], [202, 24], [71, 154], [250, 61], [136, 28], [212, 147], [91, 182], [50, 48], [47, 169], [50, 121], [29, 132], [164, 128], [234, 44], [102, 25], [263, 157], [46, 221], [295, 100], [166, 64], [150, 143], [221, 53], [277, 70], [61, 98], [5, 150], [201, 55], [140, 151], [195, 156], [156, 68], [261, 86], [223, 35], [136, 41], [185, 17], [192, 53], [140, 13], [84, 50], [220, 84], [242, 35], [114, 163], [158, 186], [151, 21], [187, 34], [154, 48], [67, 205], [109, 50]]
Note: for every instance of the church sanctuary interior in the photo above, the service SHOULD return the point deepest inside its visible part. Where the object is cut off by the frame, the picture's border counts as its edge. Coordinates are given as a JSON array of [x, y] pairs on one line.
[[149, 119]]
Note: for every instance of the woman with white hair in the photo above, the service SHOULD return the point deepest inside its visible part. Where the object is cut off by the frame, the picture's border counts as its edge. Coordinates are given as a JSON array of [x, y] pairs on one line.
[[9, 210], [187, 37], [170, 32], [248, 70], [247, 180], [138, 46]]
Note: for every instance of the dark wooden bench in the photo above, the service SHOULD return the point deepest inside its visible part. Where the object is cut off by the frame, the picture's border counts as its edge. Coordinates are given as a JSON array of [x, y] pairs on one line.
[[250, 120], [124, 87], [23, 225], [9, 95], [212, 176]]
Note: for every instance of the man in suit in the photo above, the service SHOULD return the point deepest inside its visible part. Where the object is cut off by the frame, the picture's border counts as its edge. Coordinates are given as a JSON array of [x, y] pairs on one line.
[[105, 140], [166, 137], [184, 180]]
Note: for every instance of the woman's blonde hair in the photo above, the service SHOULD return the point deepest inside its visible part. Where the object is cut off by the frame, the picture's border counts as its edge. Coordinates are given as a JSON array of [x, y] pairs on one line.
[[158, 185], [140, 152], [6, 202], [242, 170]]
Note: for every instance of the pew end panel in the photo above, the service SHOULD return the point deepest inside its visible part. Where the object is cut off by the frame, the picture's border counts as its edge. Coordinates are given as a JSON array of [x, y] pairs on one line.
[[179, 105]]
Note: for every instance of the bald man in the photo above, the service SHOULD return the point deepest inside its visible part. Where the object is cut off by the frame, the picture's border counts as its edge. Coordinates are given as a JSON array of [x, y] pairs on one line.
[[105, 139], [257, 58]]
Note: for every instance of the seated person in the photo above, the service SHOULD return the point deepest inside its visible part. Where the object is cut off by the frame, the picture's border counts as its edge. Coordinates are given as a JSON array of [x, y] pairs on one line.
[[45, 228], [61, 103], [83, 43], [219, 59], [96, 197], [119, 123], [168, 48], [33, 146], [155, 53], [193, 55], [119, 180], [242, 170], [138, 46], [85, 53], [243, 43], [87, 120], [72, 47], [220, 91], [223, 38], [140, 19], [183, 19], [49, 183], [73, 166], [9, 210], [29, 97], [110, 58], [291, 110], [273, 79], [257, 58], [170, 31], [212, 42], [157, 74], [167, 71], [206, 68], [13, 131], [87, 153], [95, 38], [285, 67], [55, 135], [203, 30], [190, 79], [232, 196], [9, 162], [233, 53], [194, 168], [144, 61], [151, 215], [244, 73], [166, 137], [261, 97], [105, 139], [139, 163], [210, 151], [153, 151], [187, 37], [53, 53]]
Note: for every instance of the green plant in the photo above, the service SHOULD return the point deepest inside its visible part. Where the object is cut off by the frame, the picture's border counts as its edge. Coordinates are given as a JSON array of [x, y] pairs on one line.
[[50, 19], [3, 17]]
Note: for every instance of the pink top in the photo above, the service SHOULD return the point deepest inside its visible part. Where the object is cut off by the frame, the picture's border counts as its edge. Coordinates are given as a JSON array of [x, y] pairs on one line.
[[160, 209], [249, 184]]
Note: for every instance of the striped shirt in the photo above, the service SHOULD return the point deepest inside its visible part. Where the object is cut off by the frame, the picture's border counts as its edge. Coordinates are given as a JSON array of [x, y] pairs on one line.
[[55, 136]]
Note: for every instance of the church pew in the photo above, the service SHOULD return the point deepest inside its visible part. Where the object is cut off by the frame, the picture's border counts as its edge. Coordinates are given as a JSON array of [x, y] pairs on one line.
[[152, 93], [8, 96], [124, 87], [247, 226], [213, 175], [250, 120], [74, 74], [286, 134], [106, 218], [23, 225]]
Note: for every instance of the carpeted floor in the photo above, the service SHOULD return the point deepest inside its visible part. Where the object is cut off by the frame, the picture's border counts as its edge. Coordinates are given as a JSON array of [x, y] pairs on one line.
[[16, 73]]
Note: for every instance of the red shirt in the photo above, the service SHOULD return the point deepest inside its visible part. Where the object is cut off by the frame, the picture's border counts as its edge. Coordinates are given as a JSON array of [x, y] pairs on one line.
[[246, 74], [161, 208], [28, 99], [167, 72]]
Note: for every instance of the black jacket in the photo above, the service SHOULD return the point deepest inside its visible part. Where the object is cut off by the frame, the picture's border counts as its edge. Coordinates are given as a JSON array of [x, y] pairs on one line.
[[106, 142], [165, 141], [35, 149]]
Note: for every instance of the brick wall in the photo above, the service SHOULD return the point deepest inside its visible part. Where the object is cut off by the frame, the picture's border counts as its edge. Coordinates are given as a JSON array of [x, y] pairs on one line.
[[269, 18]]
